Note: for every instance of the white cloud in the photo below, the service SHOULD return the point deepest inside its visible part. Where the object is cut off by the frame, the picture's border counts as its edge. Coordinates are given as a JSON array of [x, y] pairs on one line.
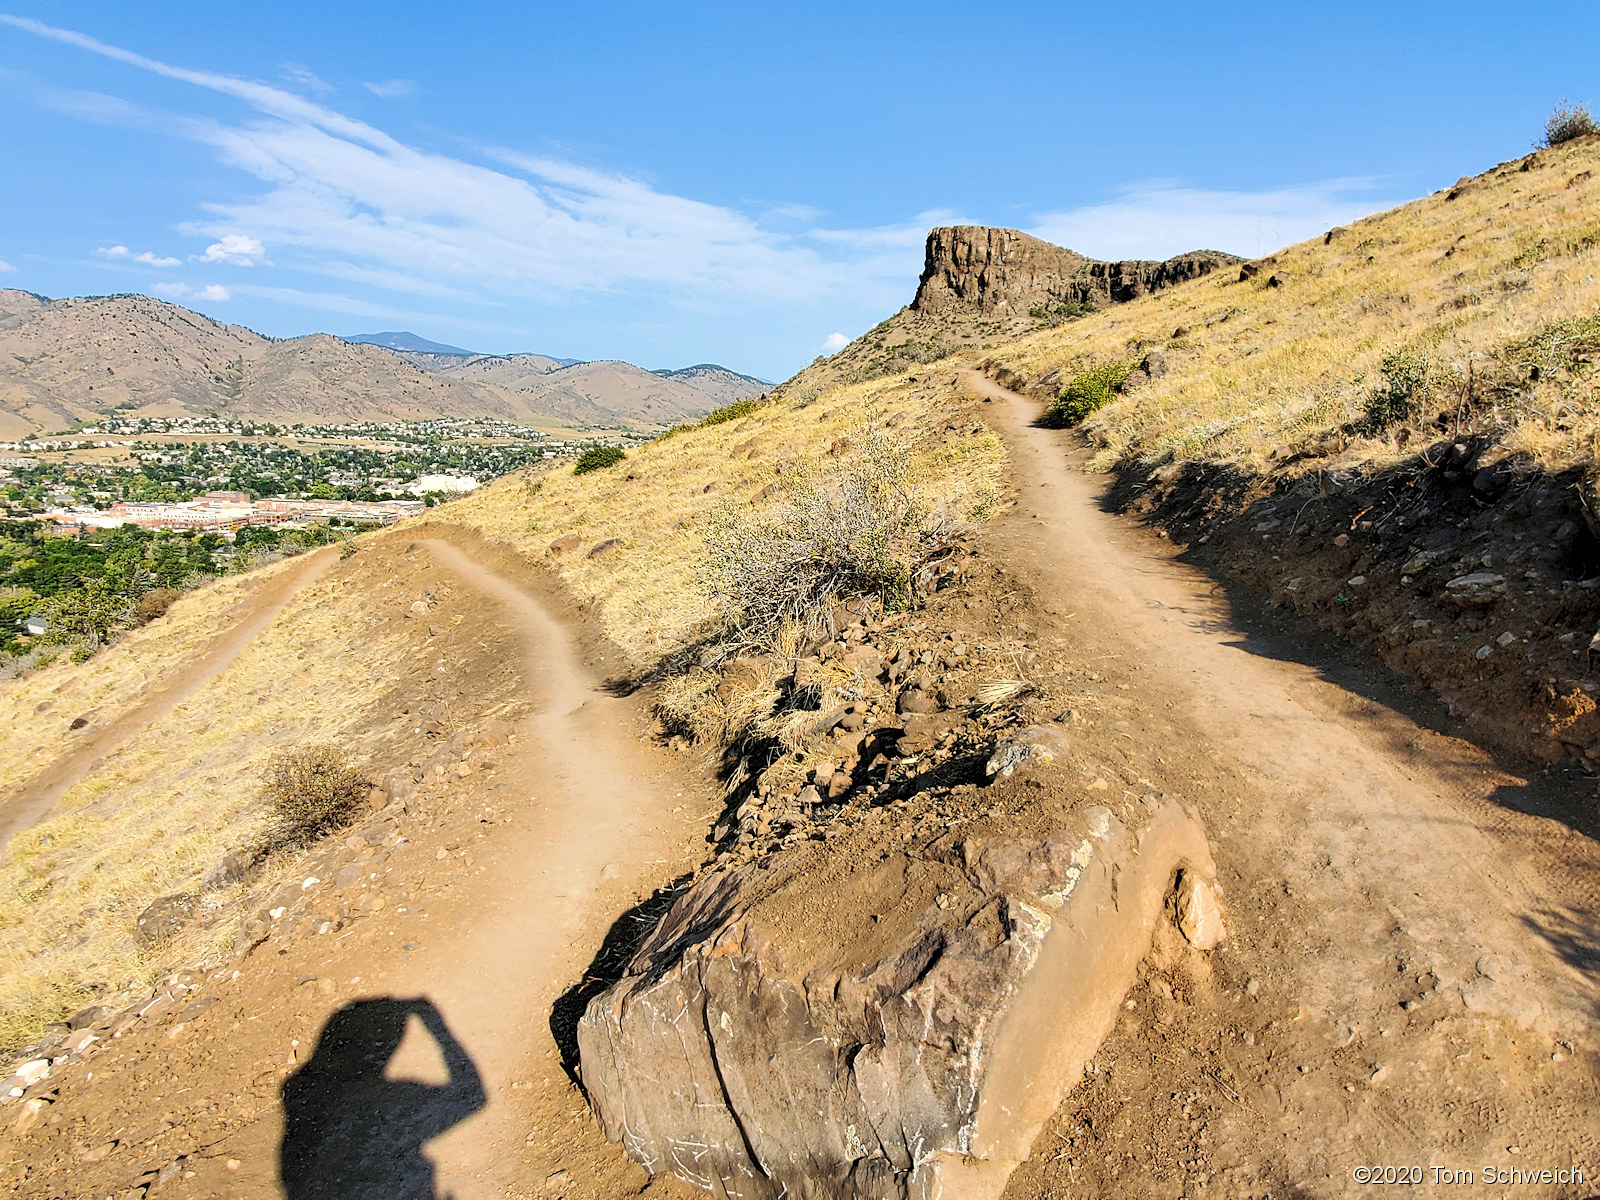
[[835, 343], [306, 78], [6, 268], [342, 197], [235, 249], [146, 257], [182, 291], [1158, 220], [392, 89]]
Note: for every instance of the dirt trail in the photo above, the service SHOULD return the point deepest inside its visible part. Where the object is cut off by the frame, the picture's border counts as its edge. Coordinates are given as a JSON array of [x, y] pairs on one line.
[[32, 802], [532, 922], [1422, 952]]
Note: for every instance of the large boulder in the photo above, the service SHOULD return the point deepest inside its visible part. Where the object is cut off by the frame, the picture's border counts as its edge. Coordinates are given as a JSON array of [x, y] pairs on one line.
[[861, 1020]]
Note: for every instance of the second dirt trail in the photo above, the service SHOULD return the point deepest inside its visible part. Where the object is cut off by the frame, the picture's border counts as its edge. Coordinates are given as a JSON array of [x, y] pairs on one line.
[[1402, 985]]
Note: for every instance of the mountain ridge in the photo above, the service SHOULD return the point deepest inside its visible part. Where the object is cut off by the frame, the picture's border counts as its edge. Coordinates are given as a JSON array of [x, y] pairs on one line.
[[67, 362]]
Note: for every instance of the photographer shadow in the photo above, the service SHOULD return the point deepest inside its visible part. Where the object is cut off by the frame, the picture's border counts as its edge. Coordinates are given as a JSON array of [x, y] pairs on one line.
[[351, 1132]]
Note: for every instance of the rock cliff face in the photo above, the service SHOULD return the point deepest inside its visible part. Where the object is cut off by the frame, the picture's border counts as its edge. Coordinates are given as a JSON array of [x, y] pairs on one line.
[[1009, 273], [889, 1025]]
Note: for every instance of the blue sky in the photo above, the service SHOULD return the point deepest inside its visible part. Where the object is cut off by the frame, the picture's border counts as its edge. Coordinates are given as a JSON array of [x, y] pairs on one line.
[[713, 182]]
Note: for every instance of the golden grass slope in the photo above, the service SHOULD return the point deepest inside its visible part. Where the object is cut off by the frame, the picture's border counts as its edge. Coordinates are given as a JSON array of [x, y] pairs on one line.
[[646, 588], [1456, 276], [335, 666]]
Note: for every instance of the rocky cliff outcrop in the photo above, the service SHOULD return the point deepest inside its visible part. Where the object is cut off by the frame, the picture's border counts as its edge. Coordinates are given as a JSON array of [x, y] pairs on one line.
[[1006, 272], [895, 1023]]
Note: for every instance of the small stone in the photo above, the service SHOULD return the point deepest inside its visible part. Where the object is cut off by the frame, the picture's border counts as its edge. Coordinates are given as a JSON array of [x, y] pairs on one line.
[[1027, 751], [1477, 590], [610, 871], [1506, 638], [1357, 580], [163, 918], [228, 870], [601, 549], [1199, 914], [32, 1071], [1483, 652], [89, 1018], [562, 544]]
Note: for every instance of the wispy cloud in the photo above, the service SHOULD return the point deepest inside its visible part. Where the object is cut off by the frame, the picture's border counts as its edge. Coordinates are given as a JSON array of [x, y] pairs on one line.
[[146, 257], [6, 268], [337, 197], [339, 190], [183, 291], [834, 343], [305, 77], [1158, 220], [392, 89]]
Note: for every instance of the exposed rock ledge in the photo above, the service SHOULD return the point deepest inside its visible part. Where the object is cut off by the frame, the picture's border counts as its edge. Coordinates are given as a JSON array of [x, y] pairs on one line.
[[858, 1021], [1007, 272]]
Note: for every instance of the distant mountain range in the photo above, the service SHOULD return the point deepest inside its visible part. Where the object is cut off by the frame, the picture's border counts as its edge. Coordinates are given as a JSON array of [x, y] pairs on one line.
[[403, 339], [67, 362]]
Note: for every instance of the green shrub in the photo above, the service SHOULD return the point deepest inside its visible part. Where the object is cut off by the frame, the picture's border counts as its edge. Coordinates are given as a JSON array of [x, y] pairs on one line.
[[313, 791], [1406, 384], [729, 412], [1058, 311], [860, 530], [1085, 392], [597, 458], [1567, 122]]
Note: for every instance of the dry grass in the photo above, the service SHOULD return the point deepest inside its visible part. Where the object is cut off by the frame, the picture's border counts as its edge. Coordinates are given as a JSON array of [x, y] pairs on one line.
[[661, 502], [115, 679], [1459, 281], [176, 797]]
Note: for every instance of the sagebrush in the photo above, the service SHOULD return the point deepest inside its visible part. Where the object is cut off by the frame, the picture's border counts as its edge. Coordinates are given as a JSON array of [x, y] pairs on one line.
[[1406, 385], [1566, 122], [313, 790], [861, 528]]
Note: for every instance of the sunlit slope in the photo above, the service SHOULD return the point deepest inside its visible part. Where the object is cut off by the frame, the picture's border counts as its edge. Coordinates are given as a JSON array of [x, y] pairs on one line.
[[638, 528], [1489, 287]]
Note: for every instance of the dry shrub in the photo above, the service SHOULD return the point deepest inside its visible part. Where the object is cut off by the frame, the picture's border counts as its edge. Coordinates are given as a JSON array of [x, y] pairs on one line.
[[313, 791], [154, 603], [1568, 121], [862, 528]]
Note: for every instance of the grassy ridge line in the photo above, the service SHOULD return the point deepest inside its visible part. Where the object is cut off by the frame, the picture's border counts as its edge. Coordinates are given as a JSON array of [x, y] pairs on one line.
[[1261, 370], [647, 589]]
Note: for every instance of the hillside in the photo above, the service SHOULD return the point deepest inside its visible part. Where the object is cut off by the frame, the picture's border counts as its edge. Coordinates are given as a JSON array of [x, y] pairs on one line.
[[841, 797], [600, 392], [66, 362]]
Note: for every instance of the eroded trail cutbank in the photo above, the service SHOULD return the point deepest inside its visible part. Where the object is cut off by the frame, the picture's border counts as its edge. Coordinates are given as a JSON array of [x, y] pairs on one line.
[[33, 801], [1413, 955]]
